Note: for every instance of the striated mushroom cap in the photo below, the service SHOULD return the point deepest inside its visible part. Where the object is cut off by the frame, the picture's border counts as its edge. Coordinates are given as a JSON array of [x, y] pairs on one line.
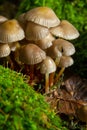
[[35, 32], [45, 42], [11, 31], [31, 54], [48, 65], [65, 30], [42, 15], [65, 47], [4, 50], [65, 61]]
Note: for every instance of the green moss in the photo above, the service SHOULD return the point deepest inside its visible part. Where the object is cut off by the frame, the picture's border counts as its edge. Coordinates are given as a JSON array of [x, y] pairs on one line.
[[21, 108]]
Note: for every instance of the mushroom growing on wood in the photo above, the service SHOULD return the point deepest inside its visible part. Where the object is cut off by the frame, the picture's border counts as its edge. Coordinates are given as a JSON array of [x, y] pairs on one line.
[[65, 30], [65, 61], [43, 16], [47, 67], [31, 54]]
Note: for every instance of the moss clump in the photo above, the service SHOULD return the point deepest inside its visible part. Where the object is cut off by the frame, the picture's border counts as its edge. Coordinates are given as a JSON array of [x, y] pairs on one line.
[[21, 108]]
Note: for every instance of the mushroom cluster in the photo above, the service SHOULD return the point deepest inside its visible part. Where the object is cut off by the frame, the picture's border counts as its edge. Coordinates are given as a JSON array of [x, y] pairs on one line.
[[43, 44]]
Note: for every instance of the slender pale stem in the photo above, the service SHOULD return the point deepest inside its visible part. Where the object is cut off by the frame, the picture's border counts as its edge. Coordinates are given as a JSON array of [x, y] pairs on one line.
[[59, 74], [46, 83], [51, 79]]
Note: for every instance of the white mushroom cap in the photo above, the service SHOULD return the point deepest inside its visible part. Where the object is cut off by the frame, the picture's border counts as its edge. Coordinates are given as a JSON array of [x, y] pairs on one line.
[[3, 19], [45, 42], [48, 65], [42, 15], [31, 54], [11, 31], [65, 30], [65, 47], [65, 61], [4, 50], [35, 32]]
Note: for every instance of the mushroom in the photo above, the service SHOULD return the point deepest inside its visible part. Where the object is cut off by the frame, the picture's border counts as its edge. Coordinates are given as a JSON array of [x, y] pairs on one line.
[[11, 31], [54, 53], [65, 47], [65, 61], [4, 53], [34, 31], [45, 42], [47, 67], [65, 30], [4, 50], [2, 19], [43, 16], [31, 54]]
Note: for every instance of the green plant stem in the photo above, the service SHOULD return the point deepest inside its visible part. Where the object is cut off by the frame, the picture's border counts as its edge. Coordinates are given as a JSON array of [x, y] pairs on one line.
[[44, 1]]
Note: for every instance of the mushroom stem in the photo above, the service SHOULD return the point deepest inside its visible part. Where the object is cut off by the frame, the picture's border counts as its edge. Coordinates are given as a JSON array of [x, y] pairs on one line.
[[46, 82], [26, 68], [51, 79], [31, 72], [59, 74]]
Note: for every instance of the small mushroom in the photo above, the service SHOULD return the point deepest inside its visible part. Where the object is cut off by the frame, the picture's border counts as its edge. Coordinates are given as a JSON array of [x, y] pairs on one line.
[[31, 54], [65, 47], [34, 31], [11, 31], [54, 53], [43, 16], [47, 67], [4, 54], [4, 50], [65, 61], [3, 19], [45, 42], [65, 30]]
